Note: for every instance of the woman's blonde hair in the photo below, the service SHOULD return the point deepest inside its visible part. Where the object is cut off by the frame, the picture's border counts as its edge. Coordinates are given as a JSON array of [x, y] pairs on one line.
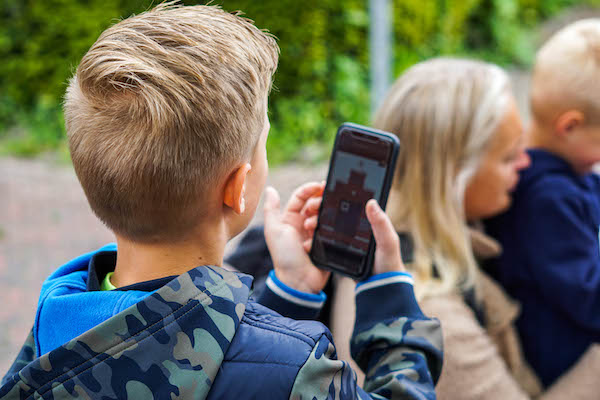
[[445, 112]]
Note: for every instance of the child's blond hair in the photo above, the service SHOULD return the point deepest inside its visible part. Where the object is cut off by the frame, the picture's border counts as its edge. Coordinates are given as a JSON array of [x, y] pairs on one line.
[[160, 108], [566, 71]]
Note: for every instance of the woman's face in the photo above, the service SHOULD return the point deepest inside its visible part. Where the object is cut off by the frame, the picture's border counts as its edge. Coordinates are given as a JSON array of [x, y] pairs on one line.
[[489, 191]]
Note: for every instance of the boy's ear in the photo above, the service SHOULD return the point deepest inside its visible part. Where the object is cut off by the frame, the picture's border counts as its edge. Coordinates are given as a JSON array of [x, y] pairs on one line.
[[568, 121], [235, 189]]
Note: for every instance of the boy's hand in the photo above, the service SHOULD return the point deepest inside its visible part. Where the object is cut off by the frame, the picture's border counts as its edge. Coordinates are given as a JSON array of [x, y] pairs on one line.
[[387, 251], [285, 235]]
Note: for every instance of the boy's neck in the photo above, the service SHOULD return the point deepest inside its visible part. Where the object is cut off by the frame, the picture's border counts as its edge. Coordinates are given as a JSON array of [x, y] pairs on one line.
[[139, 262]]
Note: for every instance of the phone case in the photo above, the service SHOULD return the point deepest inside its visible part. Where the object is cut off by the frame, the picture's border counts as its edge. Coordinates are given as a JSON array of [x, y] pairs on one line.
[[382, 200]]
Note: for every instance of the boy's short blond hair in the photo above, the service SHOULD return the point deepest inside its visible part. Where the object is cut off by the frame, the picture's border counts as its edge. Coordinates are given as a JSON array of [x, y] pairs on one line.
[[160, 108], [566, 71]]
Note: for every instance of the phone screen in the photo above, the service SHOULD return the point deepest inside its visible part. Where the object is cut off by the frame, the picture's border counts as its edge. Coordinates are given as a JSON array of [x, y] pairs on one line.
[[357, 173]]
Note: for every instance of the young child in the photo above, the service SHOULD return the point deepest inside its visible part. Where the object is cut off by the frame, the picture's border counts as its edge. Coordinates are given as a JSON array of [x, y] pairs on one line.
[[551, 256], [167, 125]]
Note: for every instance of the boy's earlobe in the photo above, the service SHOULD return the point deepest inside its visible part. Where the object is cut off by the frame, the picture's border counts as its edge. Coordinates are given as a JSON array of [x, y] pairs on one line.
[[568, 121], [235, 189]]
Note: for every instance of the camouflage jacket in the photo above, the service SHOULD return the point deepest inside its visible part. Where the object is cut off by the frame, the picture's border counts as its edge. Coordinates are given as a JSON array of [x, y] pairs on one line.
[[202, 337]]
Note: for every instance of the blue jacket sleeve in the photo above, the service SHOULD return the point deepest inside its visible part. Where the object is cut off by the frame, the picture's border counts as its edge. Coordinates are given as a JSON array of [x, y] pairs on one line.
[[289, 302], [399, 349], [562, 255]]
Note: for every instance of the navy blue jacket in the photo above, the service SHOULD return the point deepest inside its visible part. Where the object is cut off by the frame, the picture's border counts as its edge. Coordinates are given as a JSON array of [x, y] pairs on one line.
[[200, 336], [551, 262]]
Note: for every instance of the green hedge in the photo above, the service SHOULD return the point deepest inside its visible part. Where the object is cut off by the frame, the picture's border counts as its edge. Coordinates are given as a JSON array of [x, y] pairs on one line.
[[322, 78]]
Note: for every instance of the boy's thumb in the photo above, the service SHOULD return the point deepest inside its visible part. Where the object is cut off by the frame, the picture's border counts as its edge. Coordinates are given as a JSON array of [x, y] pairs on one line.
[[387, 252], [385, 235], [271, 205]]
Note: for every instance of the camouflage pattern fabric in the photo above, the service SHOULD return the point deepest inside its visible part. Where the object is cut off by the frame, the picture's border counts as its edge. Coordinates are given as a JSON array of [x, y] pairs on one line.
[[25, 356], [172, 344], [402, 358], [185, 357]]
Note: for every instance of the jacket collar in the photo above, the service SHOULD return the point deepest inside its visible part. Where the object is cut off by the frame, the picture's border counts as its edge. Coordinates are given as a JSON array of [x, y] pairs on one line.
[[103, 262], [500, 311], [543, 162], [484, 246]]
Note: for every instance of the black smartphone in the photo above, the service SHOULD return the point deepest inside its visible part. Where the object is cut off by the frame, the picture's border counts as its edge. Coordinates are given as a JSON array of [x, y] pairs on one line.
[[361, 168]]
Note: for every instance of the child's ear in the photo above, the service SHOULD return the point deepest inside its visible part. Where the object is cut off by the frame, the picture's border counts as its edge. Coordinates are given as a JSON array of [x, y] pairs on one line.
[[235, 188], [568, 121]]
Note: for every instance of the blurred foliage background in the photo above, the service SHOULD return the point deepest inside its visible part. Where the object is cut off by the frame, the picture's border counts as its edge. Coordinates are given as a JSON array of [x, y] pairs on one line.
[[322, 78]]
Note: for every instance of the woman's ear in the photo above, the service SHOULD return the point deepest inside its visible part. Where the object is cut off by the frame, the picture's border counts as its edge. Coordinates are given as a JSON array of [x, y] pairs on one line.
[[568, 121], [235, 189]]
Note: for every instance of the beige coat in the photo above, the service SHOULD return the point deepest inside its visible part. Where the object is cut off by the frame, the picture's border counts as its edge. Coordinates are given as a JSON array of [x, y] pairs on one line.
[[483, 363]]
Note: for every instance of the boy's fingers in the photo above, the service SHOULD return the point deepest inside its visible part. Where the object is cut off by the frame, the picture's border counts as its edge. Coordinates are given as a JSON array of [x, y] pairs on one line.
[[312, 206], [383, 230], [310, 224], [307, 244], [302, 194]]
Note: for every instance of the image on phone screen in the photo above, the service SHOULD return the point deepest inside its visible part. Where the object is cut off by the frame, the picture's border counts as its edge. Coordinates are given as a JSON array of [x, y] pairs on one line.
[[357, 174]]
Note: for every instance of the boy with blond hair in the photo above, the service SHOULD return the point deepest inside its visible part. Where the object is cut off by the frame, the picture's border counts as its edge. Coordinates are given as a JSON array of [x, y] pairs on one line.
[[167, 124], [551, 255]]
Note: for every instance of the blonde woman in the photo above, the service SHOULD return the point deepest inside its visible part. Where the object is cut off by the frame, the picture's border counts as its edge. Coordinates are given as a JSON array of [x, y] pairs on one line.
[[462, 148]]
